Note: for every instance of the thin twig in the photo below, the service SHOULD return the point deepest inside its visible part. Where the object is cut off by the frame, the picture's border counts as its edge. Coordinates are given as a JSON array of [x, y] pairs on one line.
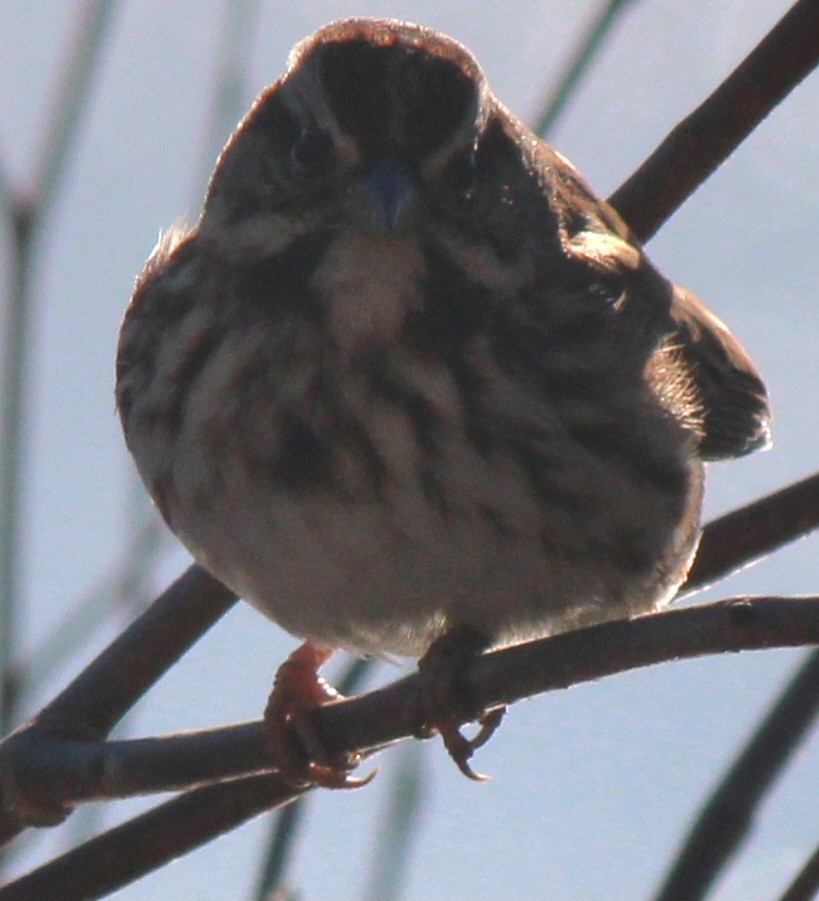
[[599, 28], [705, 139], [28, 214], [71, 100], [743, 536], [727, 816]]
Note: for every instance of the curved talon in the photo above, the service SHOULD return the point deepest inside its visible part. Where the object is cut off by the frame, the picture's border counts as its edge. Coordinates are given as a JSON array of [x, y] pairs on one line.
[[488, 723], [443, 704], [461, 748], [299, 752], [330, 777]]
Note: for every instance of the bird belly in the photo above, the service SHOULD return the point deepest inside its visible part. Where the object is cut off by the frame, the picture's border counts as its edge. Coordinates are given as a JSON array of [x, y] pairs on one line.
[[387, 577]]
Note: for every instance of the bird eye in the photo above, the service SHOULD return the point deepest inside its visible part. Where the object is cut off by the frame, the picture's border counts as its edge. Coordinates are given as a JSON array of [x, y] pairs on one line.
[[462, 173], [312, 151]]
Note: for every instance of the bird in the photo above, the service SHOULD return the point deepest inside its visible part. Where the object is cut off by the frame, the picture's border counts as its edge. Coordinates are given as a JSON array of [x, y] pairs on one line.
[[411, 389]]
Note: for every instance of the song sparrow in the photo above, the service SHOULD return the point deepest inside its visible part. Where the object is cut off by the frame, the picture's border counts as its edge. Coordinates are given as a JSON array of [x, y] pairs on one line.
[[409, 378]]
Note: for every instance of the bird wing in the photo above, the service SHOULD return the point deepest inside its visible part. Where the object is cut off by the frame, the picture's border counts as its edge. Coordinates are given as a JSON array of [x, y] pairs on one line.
[[736, 415]]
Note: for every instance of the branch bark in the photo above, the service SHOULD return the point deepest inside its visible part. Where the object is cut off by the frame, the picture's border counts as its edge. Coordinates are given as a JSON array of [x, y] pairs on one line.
[[696, 148], [81, 771], [374, 720]]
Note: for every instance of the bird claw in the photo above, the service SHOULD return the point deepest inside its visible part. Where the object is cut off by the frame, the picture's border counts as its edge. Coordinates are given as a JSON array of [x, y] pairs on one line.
[[301, 756], [442, 692], [461, 748]]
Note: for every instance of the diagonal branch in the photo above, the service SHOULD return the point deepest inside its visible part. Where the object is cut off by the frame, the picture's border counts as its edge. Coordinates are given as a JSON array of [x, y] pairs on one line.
[[727, 816], [705, 139], [598, 29], [806, 884], [743, 536], [101, 695], [125, 853]]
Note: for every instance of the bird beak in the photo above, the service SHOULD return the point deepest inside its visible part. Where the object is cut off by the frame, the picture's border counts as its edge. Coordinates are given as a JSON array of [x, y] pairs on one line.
[[391, 189]]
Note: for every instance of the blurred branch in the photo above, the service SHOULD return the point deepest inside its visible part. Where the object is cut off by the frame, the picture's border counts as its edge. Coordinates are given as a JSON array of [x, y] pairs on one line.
[[705, 139], [398, 827], [6, 192], [71, 100], [120, 588], [125, 853], [272, 884], [727, 817], [27, 215], [286, 822], [806, 885], [12, 382], [599, 28]]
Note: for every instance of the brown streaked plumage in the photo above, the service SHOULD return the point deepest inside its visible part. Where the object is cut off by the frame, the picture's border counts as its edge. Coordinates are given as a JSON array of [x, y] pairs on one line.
[[408, 374]]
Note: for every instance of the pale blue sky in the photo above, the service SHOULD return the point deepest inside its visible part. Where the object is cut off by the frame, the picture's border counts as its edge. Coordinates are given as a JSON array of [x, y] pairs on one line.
[[592, 787]]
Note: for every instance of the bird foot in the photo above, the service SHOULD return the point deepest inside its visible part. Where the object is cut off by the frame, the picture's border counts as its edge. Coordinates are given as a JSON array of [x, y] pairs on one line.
[[301, 755], [443, 697]]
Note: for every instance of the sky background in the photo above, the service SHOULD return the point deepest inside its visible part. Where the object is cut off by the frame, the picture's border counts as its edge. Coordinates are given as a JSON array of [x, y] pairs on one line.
[[593, 787]]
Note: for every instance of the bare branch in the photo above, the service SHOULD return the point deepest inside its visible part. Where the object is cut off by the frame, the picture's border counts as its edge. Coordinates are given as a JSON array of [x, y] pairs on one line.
[[521, 671], [133, 849], [52, 773], [381, 717], [705, 139], [122, 673], [727, 816], [743, 536]]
